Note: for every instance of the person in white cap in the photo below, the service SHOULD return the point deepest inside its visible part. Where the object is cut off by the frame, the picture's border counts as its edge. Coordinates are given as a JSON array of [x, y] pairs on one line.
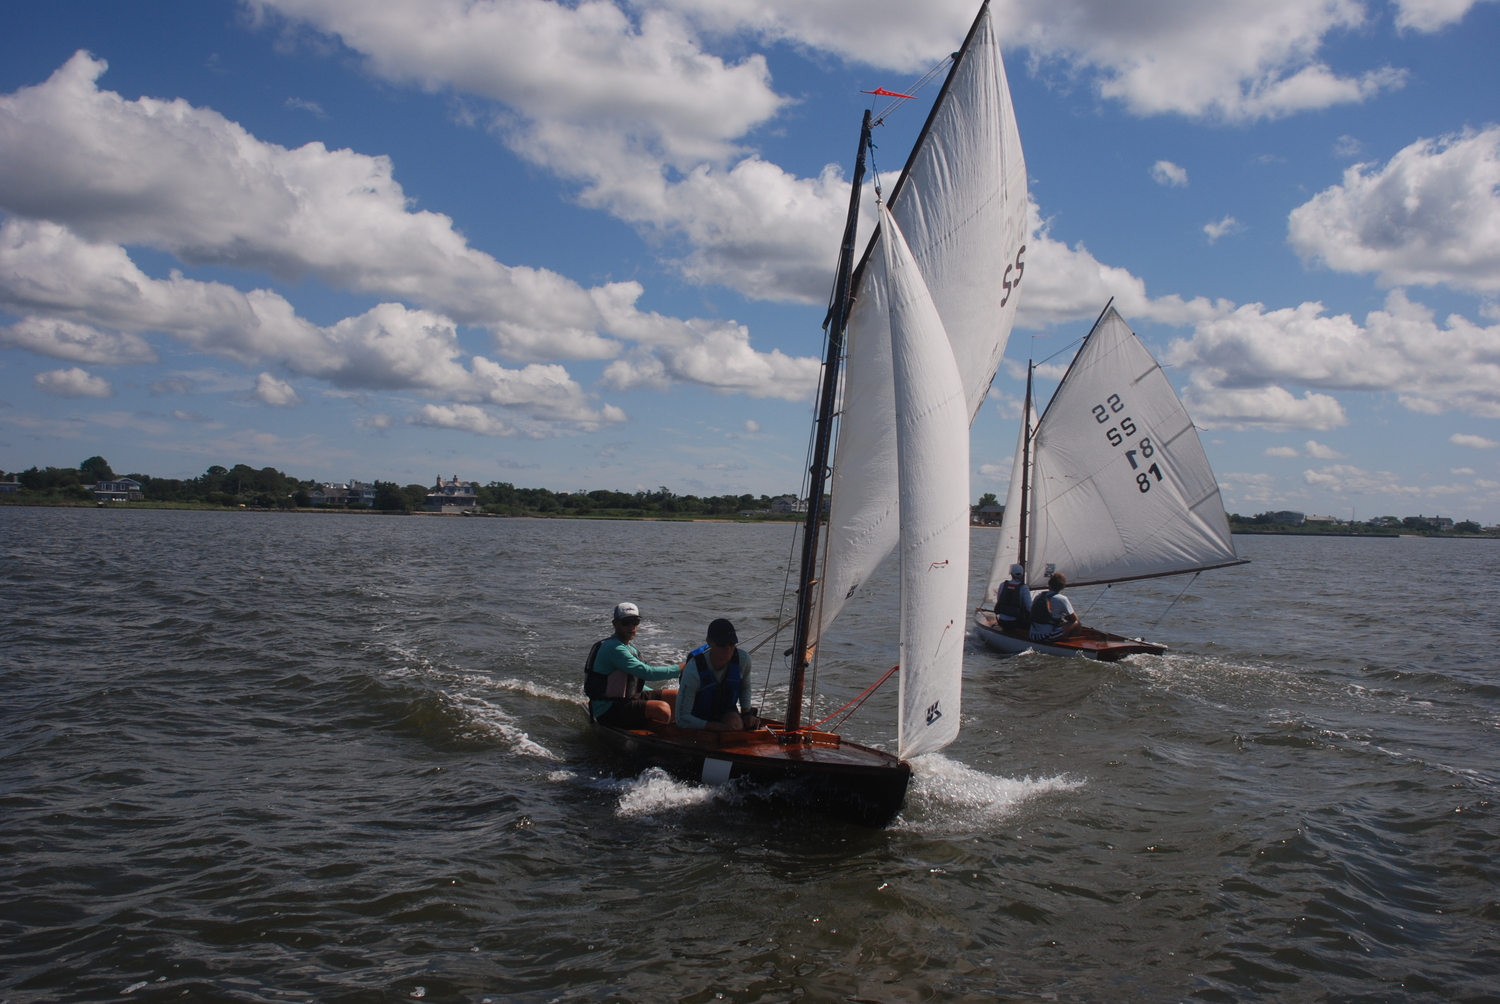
[[1013, 601], [614, 678]]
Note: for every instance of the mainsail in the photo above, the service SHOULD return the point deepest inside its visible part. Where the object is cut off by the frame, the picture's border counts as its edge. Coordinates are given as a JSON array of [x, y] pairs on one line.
[[1120, 487], [932, 449], [962, 205]]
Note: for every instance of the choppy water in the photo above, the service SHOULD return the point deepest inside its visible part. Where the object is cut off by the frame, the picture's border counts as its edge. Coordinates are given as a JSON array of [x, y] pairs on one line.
[[265, 757]]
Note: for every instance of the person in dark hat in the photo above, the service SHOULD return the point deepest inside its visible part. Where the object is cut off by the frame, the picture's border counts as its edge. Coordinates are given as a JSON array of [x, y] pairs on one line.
[[715, 692], [1052, 616]]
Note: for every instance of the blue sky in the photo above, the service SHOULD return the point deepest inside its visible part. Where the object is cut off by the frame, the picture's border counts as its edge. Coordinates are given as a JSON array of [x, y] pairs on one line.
[[587, 245]]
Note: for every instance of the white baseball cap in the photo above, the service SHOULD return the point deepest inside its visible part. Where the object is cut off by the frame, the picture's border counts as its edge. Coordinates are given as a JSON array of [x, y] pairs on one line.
[[624, 610], [1018, 569]]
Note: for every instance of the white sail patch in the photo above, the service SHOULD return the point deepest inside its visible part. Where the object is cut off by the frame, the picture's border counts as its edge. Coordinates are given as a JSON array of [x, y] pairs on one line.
[[932, 448]]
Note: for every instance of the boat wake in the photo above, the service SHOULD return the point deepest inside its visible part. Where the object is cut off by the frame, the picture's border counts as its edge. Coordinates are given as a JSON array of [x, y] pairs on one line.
[[651, 793], [948, 797]]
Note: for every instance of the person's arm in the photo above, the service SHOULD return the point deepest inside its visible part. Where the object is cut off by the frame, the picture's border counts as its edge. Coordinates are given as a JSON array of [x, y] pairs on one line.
[[1025, 600], [623, 657], [1068, 617], [747, 691], [687, 696]]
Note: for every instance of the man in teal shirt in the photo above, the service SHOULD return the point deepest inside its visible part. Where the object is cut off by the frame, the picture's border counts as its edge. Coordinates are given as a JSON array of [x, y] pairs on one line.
[[615, 681]]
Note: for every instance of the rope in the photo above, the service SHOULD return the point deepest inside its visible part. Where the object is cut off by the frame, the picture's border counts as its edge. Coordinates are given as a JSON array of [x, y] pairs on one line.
[[774, 632], [1107, 587], [853, 705], [1174, 602]]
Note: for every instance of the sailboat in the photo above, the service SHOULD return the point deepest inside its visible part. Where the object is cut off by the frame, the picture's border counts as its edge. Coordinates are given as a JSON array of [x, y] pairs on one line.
[[1110, 484], [914, 333]]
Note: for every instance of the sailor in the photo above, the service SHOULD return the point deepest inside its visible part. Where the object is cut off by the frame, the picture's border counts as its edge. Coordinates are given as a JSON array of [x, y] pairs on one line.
[[1013, 601], [1052, 616], [715, 679], [614, 678]]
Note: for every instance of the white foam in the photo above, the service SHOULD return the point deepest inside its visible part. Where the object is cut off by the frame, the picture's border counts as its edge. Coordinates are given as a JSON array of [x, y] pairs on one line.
[[536, 690], [496, 722], [654, 791], [948, 797]]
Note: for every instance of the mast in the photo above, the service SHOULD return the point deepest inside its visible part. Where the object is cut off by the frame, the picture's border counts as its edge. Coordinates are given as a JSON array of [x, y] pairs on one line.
[[1025, 471], [834, 323]]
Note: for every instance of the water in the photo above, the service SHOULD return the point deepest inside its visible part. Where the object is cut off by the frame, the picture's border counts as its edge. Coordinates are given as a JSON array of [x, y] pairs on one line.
[[266, 757]]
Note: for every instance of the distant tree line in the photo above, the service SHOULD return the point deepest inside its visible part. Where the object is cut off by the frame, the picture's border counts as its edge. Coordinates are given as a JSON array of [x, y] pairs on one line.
[[243, 485]]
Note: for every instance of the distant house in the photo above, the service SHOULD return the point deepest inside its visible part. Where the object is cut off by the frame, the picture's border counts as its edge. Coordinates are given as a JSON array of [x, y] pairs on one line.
[[788, 503], [335, 495], [1322, 519], [119, 490], [1287, 517], [13, 485], [453, 496], [988, 515]]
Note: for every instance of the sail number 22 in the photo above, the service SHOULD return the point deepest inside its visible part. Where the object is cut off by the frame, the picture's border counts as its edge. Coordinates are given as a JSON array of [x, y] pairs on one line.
[[1116, 434]]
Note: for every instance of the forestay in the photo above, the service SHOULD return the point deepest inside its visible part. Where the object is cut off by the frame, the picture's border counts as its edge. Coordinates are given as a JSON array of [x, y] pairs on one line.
[[932, 449], [1008, 553], [962, 206], [1120, 485]]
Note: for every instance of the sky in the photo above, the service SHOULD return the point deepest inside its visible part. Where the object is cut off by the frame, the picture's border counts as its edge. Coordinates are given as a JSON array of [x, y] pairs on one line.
[[589, 244]]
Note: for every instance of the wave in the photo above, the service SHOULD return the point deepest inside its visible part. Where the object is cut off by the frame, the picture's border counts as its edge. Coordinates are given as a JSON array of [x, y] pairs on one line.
[[948, 797]]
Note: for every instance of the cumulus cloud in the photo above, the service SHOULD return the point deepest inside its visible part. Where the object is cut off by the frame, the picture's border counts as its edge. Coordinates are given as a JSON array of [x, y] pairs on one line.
[[1281, 451], [1347, 146], [1164, 172], [1221, 228], [276, 393], [1430, 216], [73, 382], [1475, 442], [1069, 283], [722, 360], [51, 336], [1400, 349], [1214, 58], [90, 171], [1344, 479], [1430, 15], [1273, 408], [464, 417], [1318, 451]]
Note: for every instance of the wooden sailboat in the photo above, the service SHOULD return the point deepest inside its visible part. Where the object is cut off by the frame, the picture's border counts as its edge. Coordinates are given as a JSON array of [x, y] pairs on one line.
[[1110, 484], [915, 330]]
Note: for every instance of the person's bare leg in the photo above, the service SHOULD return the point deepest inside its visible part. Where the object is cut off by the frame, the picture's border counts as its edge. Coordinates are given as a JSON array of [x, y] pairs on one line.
[[659, 712]]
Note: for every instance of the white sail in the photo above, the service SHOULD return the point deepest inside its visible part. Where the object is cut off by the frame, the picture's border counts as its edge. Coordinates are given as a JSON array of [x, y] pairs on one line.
[[962, 208], [1120, 485], [1007, 553], [932, 449]]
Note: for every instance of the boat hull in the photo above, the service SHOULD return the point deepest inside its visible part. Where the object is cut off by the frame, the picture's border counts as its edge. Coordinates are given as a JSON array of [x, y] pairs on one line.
[[1091, 644], [818, 771]]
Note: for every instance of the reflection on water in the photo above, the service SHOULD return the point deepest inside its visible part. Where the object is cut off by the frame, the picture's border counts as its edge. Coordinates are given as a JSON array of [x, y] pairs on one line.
[[284, 757]]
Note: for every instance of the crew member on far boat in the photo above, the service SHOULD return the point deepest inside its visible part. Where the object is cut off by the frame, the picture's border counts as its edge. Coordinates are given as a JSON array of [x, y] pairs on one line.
[[615, 678], [1013, 601], [1052, 616], [715, 678]]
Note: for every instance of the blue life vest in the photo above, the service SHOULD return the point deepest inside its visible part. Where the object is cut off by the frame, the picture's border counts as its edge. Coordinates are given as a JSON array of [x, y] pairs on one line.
[[713, 701]]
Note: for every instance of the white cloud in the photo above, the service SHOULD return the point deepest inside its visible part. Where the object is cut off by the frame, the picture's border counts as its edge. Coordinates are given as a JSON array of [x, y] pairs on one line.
[[1464, 470], [720, 359], [1430, 216], [1344, 479], [73, 382], [1228, 225], [464, 417], [1211, 58], [1281, 451], [1273, 409], [1318, 451], [378, 421], [1068, 283], [752, 426], [1430, 15], [1475, 442], [276, 393], [1400, 350], [1249, 487], [1164, 172], [50, 336], [1347, 146], [307, 106]]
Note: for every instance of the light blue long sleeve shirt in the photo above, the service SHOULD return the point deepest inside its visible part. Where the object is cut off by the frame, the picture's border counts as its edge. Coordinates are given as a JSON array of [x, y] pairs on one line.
[[614, 655]]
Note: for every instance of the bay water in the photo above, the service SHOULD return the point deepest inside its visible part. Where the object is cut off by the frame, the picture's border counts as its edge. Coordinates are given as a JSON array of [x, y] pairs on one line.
[[294, 757]]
